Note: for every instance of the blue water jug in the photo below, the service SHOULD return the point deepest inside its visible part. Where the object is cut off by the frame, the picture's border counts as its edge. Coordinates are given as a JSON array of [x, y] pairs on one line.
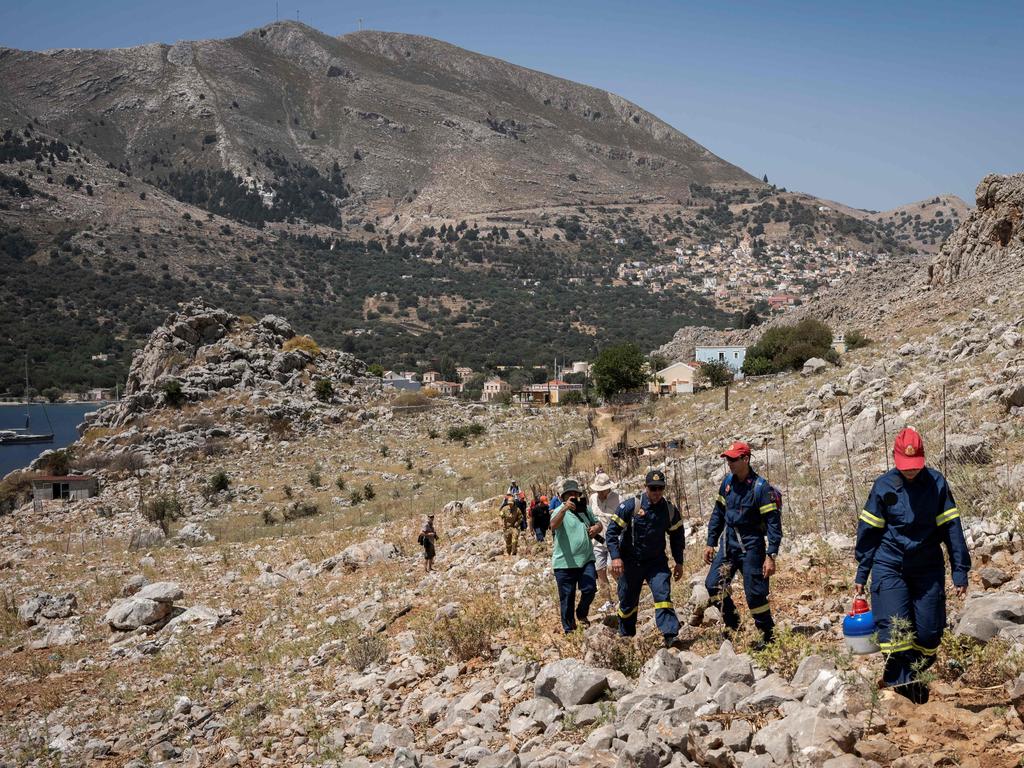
[[859, 628]]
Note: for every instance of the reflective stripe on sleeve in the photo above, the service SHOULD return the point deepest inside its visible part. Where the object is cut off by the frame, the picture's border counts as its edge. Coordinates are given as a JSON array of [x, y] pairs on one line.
[[619, 520], [872, 520], [721, 499], [945, 517], [663, 604], [771, 507], [630, 613], [677, 526]]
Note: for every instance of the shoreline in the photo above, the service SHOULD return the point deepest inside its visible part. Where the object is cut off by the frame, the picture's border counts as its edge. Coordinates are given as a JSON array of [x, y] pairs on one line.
[[98, 403]]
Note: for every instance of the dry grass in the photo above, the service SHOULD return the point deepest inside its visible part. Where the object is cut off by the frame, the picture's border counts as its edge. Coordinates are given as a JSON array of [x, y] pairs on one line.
[[305, 343]]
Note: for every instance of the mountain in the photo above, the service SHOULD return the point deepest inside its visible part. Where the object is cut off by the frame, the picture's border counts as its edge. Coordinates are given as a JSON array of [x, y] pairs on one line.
[[415, 125], [926, 223], [400, 197]]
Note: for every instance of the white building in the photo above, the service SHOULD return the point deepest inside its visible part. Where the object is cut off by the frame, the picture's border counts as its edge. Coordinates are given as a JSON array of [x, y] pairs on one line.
[[731, 356], [676, 379], [494, 389]]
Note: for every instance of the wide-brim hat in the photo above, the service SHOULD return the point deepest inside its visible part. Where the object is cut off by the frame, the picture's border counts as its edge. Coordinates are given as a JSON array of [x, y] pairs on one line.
[[602, 482], [570, 486]]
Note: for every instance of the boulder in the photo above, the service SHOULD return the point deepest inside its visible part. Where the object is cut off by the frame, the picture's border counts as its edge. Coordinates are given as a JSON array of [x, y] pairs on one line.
[[992, 577], [192, 535], [982, 617], [728, 667], [569, 681], [367, 552], [814, 366], [150, 605], [44, 606]]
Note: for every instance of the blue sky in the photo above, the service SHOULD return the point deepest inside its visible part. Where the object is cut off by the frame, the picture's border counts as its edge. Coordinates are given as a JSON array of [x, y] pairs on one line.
[[872, 104]]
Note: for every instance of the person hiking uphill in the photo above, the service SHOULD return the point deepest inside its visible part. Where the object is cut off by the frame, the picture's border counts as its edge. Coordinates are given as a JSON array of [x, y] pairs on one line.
[[604, 502], [909, 515], [428, 539], [746, 511], [573, 530], [636, 546], [510, 524]]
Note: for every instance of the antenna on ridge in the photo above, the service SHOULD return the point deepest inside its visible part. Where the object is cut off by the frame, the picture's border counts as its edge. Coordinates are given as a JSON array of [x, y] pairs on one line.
[[360, 20], [277, 10]]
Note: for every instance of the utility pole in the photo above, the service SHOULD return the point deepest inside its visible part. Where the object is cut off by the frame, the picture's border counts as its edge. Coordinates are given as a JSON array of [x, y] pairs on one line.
[[360, 20], [277, 10]]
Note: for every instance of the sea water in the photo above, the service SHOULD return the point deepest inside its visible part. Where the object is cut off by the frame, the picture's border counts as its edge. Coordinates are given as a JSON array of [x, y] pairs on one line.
[[63, 416]]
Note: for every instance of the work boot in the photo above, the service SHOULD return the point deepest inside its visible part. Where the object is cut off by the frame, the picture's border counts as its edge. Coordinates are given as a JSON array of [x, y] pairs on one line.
[[672, 641]]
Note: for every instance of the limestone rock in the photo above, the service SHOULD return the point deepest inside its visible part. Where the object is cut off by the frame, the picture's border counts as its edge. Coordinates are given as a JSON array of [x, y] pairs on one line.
[[983, 617], [46, 606], [570, 681], [813, 366]]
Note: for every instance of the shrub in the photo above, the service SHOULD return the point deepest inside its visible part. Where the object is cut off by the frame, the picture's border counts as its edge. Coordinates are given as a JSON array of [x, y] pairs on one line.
[[173, 395], [269, 516], [339, 482], [433, 434], [162, 510], [715, 373], [14, 491], [788, 347], [314, 478], [461, 432], [365, 651], [219, 481], [324, 390], [976, 664], [571, 398], [368, 492], [287, 490], [410, 400], [356, 497], [58, 462], [305, 343], [627, 655], [856, 340], [384, 451], [466, 636], [299, 509]]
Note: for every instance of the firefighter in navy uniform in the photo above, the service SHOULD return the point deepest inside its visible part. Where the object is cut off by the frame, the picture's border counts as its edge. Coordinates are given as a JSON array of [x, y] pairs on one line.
[[636, 546], [746, 512], [909, 515]]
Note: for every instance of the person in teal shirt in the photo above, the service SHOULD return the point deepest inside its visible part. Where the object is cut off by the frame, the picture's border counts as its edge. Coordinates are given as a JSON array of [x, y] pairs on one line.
[[574, 527]]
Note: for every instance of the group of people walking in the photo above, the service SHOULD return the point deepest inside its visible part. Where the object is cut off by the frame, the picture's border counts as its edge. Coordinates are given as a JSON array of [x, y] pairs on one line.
[[602, 541]]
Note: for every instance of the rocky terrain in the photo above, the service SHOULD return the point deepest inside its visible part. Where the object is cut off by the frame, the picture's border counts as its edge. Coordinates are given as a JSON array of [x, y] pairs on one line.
[[278, 618]]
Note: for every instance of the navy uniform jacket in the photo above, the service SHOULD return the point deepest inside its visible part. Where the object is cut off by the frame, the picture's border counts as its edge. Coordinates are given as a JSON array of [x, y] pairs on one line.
[[634, 536], [903, 526], [747, 508]]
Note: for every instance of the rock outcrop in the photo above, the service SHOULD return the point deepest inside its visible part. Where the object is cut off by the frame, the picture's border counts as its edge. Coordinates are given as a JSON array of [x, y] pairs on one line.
[[992, 237], [202, 351]]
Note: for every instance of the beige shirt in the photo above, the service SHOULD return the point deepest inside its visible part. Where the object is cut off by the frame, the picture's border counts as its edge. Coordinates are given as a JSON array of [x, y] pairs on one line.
[[603, 510]]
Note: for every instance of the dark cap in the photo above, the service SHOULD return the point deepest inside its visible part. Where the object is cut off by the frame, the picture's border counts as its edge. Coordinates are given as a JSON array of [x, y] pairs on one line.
[[655, 479], [569, 486]]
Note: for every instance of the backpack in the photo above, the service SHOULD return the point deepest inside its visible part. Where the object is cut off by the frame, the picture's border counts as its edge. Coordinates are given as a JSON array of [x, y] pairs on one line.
[[773, 493]]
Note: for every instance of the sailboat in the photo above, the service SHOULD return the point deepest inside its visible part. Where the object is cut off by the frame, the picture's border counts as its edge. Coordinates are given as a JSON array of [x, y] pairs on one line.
[[24, 436]]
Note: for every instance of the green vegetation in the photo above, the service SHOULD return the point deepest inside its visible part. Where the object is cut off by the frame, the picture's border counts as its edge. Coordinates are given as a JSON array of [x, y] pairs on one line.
[[463, 432], [789, 347], [219, 482], [162, 510], [714, 374], [856, 340], [173, 394], [324, 390], [619, 369]]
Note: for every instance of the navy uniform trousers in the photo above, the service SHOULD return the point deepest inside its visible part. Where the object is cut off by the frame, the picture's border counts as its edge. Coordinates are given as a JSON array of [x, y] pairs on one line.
[[920, 599], [658, 575], [749, 561]]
